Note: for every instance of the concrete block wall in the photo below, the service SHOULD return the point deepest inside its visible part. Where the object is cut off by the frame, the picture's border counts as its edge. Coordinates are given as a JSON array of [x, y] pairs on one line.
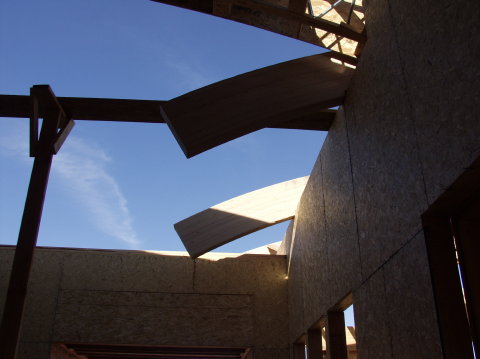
[[408, 128], [146, 298]]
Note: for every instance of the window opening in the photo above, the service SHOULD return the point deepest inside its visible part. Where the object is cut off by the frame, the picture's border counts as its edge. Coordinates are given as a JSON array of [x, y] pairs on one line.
[[350, 333]]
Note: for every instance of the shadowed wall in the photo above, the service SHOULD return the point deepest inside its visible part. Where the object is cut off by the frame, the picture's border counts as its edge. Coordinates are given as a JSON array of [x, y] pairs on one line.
[[145, 298], [407, 130]]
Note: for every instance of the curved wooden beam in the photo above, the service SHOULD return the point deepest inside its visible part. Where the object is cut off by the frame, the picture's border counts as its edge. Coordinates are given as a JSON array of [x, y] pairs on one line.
[[240, 216], [292, 90], [340, 29]]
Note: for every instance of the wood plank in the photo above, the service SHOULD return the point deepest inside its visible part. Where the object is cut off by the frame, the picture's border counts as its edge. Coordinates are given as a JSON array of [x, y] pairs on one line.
[[95, 109], [154, 352], [221, 112], [449, 303], [147, 111], [240, 216], [314, 344], [336, 339], [27, 238], [298, 6], [299, 350], [449, 300], [271, 8], [290, 19], [331, 27]]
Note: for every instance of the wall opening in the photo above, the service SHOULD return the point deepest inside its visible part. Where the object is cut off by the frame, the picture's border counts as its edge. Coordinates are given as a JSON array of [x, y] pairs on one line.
[[316, 341], [333, 336], [300, 348], [466, 239], [452, 232], [350, 333]]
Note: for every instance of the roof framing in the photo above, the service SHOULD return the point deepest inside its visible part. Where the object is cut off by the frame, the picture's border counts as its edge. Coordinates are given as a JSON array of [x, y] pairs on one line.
[[147, 111], [338, 27], [295, 91], [240, 216]]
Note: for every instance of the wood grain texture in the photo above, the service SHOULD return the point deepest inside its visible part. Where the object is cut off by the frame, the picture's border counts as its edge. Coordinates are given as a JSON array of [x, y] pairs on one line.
[[223, 111], [240, 216]]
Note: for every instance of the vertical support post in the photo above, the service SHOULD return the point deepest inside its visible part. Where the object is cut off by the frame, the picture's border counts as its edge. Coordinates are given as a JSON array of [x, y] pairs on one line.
[[336, 339], [314, 343], [43, 150]]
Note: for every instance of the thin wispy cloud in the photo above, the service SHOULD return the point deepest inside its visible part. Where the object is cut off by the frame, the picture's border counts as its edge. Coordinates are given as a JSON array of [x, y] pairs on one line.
[[184, 72], [191, 76], [82, 168]]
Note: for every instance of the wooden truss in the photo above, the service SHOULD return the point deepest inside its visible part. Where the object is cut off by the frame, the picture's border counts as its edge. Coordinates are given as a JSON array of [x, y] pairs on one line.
[[335, 25]]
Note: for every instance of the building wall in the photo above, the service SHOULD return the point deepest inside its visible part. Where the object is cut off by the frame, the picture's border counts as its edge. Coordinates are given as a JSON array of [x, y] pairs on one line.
[[408, 128], [145, 298]]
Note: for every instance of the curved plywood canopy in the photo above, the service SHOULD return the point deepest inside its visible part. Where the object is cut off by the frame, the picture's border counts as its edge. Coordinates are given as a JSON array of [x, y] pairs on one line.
[[292, 90], [240, 216], [337, 25]]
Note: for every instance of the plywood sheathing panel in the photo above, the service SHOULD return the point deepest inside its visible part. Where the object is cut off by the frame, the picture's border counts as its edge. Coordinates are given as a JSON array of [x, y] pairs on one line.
[[285, 245], [311, 236], [6, 261], [60, 351], [113, 270], [341, 240], [295, 289], [271, 353], [241, 300], [42, 296], [240, 216], [153, 318], [439, 45], [409, 294], [39, 311], [37, 350], [387, 174], [263, 277], [372, 322], [218, 113], [41, 299]]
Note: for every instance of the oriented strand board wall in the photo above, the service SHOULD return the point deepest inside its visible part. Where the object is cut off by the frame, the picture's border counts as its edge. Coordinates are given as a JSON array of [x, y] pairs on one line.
[[409, 127], [134, 297]]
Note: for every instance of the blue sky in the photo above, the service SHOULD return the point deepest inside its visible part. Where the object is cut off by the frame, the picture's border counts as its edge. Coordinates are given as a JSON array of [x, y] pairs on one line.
[[117, 185]]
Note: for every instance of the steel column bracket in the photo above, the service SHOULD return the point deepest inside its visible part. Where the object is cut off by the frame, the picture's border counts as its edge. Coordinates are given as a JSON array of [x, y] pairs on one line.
[[43, 100]]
